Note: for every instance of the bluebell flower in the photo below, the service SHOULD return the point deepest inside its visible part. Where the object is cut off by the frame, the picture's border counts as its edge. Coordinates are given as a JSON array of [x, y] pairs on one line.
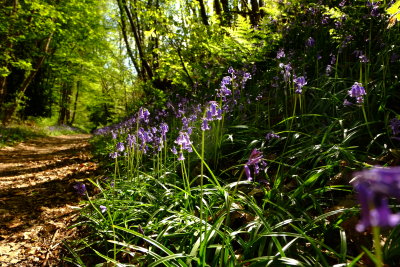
[[310, 42], [357, 91], [280, 53], [204, 125], [347, 103], [270, 136], [80, 188], [395, 126], [255, 158], [103, 208], [144, 114], [113, 155], [374, 188], [299, 82], [181, 157], [120, 147]]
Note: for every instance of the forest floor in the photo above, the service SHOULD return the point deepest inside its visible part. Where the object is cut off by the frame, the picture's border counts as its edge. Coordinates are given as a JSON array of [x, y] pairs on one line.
[[37, 199]]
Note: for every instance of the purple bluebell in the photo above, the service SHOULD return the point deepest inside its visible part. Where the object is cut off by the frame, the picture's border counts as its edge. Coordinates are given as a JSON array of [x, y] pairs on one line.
[[347, 103], [131, 139], [103, 208], [174, 151], [357, 91], [120, 147], [248, 173], [180, 156], [280, 53], [144, 114], [255, 158], [270, 136], [374, 187], [231, 70], [204, 125], [299, 83], [80, 188], [310, 42], [395, 126], [164, 129], [328, 70], [184, 142], [113, 155]]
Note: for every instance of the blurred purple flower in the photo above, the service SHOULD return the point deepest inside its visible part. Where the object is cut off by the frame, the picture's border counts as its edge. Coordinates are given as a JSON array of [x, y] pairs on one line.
[[103, 208], [144, 114], [395, 126], [120, 146], [204, 125], [181, 157], [270, 136], [80, 188], [310, 42], [347, 103], [374, 187], [280, 53], [113, 155]]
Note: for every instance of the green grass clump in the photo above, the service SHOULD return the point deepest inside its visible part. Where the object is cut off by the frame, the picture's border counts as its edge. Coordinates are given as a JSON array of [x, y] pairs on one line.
[[15, 134]]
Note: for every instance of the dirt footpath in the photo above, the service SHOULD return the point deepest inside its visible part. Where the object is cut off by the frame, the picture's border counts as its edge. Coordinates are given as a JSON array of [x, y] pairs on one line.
[[37, 198]]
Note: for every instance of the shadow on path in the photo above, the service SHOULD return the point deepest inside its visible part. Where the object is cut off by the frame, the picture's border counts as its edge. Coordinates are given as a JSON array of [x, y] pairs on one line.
[[37, 197]]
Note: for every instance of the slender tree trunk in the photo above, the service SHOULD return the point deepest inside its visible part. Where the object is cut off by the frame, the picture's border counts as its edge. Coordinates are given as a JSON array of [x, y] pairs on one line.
[[20, 92], [227, 17], [126, 40], [254, 14], [64, 114], [203, 13], [136, 36], [78, 86]]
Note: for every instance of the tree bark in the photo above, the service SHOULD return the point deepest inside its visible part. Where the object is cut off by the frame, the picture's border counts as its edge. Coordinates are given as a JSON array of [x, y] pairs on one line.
[[78, 86], [139, 47], [203, 13], [20, 92], [126, 40], [255, 13]]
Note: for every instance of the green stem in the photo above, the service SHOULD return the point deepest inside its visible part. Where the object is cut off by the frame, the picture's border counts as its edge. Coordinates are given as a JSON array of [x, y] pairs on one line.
[[377, 245]]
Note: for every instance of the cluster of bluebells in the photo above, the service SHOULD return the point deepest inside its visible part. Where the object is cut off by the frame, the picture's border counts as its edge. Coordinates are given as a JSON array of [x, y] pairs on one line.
[[360, 55], [213, 112], [254, 161], [357, 91], [286, 69], [271, 136], [299, 83], [374, 8], [374, 188], [184, 143]]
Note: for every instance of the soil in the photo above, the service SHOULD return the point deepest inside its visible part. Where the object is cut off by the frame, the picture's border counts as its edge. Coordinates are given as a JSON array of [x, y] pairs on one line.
[[37, 199]]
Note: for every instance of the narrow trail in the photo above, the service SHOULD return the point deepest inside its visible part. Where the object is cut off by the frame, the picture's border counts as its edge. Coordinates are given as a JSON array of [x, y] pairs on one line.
[[37, 198]]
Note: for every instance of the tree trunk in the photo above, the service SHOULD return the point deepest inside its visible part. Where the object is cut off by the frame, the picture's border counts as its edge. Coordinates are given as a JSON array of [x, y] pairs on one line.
[[78, 86], [203, 13], [255, 14], [20, 92], [126, 40], [136, 36]]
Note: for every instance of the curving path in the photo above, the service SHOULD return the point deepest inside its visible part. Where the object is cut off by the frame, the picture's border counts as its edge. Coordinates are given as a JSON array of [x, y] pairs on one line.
[[37, 198]]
